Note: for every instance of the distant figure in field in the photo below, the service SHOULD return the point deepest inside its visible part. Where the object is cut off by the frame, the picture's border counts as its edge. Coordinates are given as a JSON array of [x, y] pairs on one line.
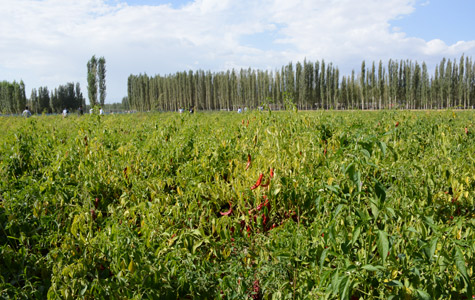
[[191, 110], [180, 110], [26, 113], [91, 111], [239, 110], [101, 111], [80, 111], [65, 113]]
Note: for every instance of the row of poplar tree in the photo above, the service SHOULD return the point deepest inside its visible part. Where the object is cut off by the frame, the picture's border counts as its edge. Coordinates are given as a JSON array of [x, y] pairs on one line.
[[69, 96], [396, 84], [13, 98], [96, 80]]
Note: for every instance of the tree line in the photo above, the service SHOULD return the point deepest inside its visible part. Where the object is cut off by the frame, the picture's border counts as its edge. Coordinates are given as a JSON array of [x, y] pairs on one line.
[[13, 98], [67, 96], [395, 84]]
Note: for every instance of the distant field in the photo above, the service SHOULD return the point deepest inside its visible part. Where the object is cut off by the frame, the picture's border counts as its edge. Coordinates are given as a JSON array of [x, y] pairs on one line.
[[280, 205]]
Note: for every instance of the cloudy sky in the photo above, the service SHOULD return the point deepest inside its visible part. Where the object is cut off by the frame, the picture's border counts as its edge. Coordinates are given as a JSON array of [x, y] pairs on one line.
[[48, 42]]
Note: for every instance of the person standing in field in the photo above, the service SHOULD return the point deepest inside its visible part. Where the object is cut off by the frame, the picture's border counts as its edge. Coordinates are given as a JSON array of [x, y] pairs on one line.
[[26, 113], [80, 111], [101, 111], [65, 113]]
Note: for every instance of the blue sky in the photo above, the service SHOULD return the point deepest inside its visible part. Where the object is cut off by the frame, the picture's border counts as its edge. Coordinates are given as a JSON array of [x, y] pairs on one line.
[[448, 20], [48, 42]]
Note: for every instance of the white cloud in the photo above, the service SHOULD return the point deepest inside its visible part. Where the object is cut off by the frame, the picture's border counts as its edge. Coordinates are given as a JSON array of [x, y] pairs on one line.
[[48, 42]]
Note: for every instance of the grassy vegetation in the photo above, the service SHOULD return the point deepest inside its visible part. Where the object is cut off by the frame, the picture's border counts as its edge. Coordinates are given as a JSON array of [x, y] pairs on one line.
[[359, 205]]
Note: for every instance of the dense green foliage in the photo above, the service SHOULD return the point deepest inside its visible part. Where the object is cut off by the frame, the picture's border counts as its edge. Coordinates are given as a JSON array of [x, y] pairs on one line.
[[12, 97], [361, 205], [403, 84], [67, 96]]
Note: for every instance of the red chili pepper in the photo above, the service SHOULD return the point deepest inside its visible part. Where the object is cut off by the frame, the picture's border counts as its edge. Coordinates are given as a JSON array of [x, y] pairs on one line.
[[466, 130], [266, 184], [258, 182], [248, 161], [227, 213], [271, 172], [397, 124]]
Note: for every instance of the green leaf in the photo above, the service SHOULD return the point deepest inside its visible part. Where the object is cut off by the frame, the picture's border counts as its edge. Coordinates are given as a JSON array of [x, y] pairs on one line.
[[391, 212], [83, 290], [323, 256], [380, 191], [337, 210], [383, 244], [195, 246], [423, 295], [354, 176], [395, 283], [382, 146], [356, 234], [429, 221], [344, 290], [374, 209], [366, 153], [430, 250], [131, 267], [331, 188], [460, 263], [336, 283], [372, 268]]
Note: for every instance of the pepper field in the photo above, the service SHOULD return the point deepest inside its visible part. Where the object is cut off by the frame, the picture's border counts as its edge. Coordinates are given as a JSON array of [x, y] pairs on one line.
[[260, 205]]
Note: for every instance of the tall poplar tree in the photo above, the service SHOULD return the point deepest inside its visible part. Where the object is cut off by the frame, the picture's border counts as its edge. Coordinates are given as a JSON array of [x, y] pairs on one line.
[[101, 76], [96, 79]]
